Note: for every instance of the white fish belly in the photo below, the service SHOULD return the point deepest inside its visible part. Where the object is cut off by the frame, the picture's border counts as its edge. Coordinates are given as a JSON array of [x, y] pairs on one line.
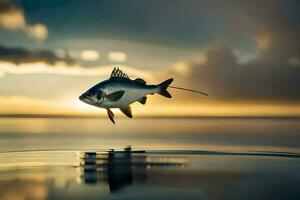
[[130, 96]]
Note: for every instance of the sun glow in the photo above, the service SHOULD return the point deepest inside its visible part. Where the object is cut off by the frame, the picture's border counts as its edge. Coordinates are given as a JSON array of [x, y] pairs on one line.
[[69, 106], [81, 106]]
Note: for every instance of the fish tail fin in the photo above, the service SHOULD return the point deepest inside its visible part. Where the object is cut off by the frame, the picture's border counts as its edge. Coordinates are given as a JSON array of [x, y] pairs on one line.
[[163, 88]]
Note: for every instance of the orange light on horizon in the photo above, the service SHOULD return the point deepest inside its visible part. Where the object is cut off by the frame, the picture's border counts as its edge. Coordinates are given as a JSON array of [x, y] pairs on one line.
[[21, 105]]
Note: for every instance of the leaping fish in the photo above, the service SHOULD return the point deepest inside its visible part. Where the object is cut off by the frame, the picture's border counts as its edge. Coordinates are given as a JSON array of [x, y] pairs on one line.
[[119, 91]]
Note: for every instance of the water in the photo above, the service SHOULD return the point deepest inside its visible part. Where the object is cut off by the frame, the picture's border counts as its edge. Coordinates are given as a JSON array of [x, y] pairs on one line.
[[151, 134], [198, 158]]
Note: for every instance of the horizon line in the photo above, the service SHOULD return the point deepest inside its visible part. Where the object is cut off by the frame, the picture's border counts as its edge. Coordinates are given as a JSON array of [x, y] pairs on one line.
[[76, 116]]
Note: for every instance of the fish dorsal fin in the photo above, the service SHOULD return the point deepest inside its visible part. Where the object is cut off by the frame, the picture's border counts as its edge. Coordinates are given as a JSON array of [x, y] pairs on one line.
[[127, 111], [115, 96], [143, 100], [140, 80], [117, 73], [110, 115]]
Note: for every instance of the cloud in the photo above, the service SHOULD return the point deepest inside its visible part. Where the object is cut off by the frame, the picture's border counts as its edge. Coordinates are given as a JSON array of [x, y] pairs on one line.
[[22, 55], [270, 72], [61, 68], [243, 18], [37, 31], [278, 46], [89, 55], [117, 56], [12, 18], [258, 79]]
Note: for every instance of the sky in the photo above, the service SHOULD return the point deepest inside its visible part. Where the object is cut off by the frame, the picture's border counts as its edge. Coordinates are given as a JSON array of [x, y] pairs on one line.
[[244, 54]]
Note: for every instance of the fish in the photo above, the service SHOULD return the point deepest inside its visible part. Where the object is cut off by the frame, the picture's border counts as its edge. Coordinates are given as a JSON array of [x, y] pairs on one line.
[[119, 91]]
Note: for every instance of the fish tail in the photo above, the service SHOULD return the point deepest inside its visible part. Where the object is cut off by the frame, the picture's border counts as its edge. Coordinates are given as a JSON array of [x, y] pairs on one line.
[[163, 88]]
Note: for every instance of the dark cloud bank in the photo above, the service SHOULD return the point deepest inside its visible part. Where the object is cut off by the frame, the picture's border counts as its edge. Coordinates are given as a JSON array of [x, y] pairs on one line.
[[225, 78], [23, 55], [274, 75], [6, 6]]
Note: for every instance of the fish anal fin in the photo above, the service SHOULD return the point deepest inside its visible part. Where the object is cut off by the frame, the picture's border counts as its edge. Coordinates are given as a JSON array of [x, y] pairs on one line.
[[127, 111], [117, 73], [115, 96], [140, 80], [143, 100], [110, 115]]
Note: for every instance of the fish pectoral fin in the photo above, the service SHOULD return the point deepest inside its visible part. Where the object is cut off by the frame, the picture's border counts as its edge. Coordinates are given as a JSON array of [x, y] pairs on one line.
[[115, 96], [127, 111], [140, 80], [110, 115], [143, 100]]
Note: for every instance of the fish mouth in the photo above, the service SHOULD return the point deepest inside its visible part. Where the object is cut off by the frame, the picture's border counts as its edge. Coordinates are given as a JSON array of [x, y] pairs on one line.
[[82, 97], [85, 99]]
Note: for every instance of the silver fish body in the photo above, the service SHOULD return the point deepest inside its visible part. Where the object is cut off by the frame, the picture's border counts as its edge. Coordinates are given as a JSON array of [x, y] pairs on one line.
[[119, 91], [133, 91]]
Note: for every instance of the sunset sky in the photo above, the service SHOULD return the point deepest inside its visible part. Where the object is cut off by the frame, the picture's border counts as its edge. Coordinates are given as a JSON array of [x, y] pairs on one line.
[[244, 54]]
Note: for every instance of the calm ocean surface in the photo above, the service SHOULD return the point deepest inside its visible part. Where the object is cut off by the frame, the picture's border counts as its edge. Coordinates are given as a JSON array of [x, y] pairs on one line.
[[198, 158], [150, 134]]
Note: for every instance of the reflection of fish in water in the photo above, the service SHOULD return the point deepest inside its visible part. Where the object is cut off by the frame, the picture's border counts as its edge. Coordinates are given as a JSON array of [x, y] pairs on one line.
[[118, 169], [119, 91], [112, 167]]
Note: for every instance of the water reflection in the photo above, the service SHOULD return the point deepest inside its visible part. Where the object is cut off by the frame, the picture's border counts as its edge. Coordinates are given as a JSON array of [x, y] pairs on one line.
[[152, 175], [119, 169]]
